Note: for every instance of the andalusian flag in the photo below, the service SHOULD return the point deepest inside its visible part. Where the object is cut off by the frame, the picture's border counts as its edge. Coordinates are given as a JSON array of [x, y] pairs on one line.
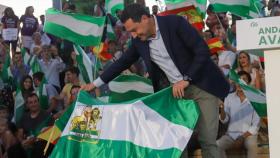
[[199, 4], [84, 64], [80, 29], [129, 87], [41, 92], [191, 13], [244, 8], [5, 73], [215, 45], [25, 56], [110, 30], [255, 96], [34, 64], [154, 126], [19, 106], [112, 6]]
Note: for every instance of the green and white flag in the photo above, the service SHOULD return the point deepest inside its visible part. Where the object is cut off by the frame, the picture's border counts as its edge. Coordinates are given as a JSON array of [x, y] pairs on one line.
[[19, 106], [80, 29], [243, 8], [110, 30], [25, 56], [129, 87], [199, 4], [41, 92], [5, 73], [34, 65], [112, 6], [84, 64], [154, 126], [255, 96]]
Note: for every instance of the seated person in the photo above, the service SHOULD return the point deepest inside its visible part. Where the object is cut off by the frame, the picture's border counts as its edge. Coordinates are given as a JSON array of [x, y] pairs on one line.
[[243, 122]]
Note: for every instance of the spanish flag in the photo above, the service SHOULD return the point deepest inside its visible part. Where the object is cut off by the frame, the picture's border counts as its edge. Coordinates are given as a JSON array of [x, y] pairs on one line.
[[215, 45], [190, 12], [51, 134], [101, 51]]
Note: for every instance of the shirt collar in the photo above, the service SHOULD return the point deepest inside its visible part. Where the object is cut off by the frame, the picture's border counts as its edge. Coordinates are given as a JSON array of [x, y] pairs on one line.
[[157, 29]]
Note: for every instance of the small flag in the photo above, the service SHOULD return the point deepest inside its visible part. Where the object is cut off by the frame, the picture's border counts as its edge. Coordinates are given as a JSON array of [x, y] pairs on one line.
[[255, 96], [200, 5], [192, 15], [80, 29], [112, 6], [215, 45], [84, 64]]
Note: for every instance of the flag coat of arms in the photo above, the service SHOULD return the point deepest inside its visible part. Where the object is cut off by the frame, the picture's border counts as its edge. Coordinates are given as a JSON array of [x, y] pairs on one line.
[[157, 125]]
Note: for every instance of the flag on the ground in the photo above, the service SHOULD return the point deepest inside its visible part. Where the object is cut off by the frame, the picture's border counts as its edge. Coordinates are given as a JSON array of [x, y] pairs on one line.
[[154, 126], [243, 8], [255, 96], [215, 45], [112, 6], [199, 4], [80, 29], [192, 15], [19, 106], [110, 30], [84, 64], [129, 87]]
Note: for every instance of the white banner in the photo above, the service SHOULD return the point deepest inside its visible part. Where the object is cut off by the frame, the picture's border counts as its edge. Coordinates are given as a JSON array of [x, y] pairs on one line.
[[10, 34], [260, 33]]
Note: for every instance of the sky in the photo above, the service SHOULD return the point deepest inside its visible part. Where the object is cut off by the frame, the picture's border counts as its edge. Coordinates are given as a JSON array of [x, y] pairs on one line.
[[19, 6]]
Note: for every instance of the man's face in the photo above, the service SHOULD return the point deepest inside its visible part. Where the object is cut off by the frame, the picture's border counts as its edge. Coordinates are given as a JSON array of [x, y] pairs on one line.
[[33, 104], [139, 29]]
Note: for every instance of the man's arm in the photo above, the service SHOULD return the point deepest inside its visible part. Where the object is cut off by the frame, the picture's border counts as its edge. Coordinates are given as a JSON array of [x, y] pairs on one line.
[[123, 63]]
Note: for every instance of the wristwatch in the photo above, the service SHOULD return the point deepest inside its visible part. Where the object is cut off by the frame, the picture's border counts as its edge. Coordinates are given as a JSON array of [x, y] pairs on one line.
[[187, 78]]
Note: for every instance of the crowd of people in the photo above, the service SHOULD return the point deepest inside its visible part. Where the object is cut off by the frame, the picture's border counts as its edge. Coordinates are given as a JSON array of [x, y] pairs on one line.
[[62, 80]]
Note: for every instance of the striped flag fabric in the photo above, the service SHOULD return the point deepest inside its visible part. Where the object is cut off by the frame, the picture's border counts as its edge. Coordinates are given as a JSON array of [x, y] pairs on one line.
[[19, 106], [25, 56], [34, 65], [5, 73], [215, 45], [112, 6], [154, 126], [110, 30], [256, 97], [243, 8], [128, 87], [84, 64], [193, 16], [41, 92], [80, 29], [199, 4]]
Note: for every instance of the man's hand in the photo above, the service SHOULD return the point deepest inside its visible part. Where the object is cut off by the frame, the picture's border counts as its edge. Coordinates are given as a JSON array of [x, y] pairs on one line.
[[179, 87], [88, 87], [238, 143]]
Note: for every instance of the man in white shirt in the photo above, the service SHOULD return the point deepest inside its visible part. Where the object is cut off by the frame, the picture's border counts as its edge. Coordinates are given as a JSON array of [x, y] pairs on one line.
[[243, 122]]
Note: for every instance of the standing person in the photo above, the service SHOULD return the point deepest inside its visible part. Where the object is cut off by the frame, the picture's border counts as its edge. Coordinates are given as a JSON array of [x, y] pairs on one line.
[[29, 26], [10, 23], [171, 45]]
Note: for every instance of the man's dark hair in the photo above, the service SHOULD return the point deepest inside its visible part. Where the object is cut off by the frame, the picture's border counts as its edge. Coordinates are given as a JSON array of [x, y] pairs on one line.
[[31, 95], [73, 70], [38, 75], [241, 73], [134, 11]]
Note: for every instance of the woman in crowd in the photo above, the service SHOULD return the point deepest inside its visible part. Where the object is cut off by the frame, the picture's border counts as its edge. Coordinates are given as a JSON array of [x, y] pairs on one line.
[[244, 64], [10, 22], [29, 26]]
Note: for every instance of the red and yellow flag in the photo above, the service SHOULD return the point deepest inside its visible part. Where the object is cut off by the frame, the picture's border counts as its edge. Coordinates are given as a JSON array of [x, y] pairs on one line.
[[51, 134], [101, 51], [215, 45], [190, 12]]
